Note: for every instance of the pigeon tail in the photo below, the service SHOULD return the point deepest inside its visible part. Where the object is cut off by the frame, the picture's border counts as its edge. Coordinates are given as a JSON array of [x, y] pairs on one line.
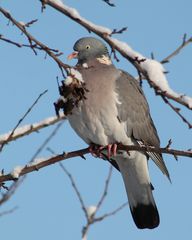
[[135, 175]]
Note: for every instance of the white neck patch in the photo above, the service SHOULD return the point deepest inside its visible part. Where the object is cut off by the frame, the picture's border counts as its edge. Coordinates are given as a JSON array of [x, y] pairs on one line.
[[104, 60]]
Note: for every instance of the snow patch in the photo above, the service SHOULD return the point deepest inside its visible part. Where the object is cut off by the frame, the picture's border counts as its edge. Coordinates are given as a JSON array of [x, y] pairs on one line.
[[187, 100], [36, 161], [16, 172], [91, 210], [58, 2], [73, 75], [156, 73]]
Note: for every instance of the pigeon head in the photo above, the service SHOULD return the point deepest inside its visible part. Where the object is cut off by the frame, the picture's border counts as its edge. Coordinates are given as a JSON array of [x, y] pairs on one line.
[[88, 48]]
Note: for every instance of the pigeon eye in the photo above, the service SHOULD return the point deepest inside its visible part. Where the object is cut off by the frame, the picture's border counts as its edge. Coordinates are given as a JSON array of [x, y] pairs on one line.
[[88, 46]]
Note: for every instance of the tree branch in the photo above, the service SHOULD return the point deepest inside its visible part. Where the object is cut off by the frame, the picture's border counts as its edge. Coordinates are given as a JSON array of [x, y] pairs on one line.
[[103, 196], [184, 43], [28, 129], [21, 119], [32, 40], [76, 189], [43, 162]]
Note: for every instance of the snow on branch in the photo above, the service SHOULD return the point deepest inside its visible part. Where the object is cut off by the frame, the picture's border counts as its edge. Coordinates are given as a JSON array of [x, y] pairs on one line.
[[30, 128], [151, 69], [44, 162]]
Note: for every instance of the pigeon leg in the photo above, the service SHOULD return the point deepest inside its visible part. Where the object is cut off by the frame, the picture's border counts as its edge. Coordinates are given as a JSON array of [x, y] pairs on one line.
[[111, 150], [95, 150]]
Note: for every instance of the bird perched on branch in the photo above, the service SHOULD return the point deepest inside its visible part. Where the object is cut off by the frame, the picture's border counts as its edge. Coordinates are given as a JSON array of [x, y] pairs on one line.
[[115, 111]]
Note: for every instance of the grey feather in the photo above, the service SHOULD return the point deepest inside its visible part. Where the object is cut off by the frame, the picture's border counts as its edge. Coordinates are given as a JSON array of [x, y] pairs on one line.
[[134, 112]]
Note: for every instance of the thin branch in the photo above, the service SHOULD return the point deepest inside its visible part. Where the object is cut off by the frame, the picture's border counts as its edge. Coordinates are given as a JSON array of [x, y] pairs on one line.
[[103, 196], [8, 211], [177, 110], [21, 119], [79, 153], [111, 213], [76, 189], [20, 45], [166, 94], [116, 31], [28, 129], [11, 190], [32, 40], [14, 186], [109, 3], [184, 43]]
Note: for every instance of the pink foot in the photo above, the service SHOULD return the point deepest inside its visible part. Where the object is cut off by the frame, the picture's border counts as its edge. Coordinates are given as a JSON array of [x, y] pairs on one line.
[[111, 150], [95, 150]]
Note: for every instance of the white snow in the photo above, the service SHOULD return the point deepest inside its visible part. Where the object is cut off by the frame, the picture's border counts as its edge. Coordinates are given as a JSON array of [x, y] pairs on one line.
[[59, 2], [124, 47], [75, 14], [91, 210], [22, 23], [156, 74], [37, 161], [73, 74], [68, 80], [16, 172], [155, 70], [27, 128], [187, 100], [102, 29]]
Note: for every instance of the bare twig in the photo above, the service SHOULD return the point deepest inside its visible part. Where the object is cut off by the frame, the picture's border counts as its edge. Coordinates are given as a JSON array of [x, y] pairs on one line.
[[177, 110], [184, 43], [20, 45], [76, 189], [109, 3], [21, 119], [11, 190], [32, 40], [52, 160], [111, 213], [116, 31], [8, 211], [103, 196]]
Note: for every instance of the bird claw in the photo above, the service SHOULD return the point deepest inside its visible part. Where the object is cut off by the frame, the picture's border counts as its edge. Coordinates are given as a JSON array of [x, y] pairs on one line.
[[95, 150]]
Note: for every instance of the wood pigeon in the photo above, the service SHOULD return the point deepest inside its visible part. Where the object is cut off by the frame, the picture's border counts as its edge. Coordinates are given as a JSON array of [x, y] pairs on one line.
[[116, 111]]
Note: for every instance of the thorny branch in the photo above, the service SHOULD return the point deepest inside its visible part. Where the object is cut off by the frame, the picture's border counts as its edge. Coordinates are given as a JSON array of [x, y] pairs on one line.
[[20, 120], [52, 160]]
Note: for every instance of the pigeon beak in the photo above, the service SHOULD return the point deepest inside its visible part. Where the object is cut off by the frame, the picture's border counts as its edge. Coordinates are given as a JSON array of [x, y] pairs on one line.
[[72, 55]]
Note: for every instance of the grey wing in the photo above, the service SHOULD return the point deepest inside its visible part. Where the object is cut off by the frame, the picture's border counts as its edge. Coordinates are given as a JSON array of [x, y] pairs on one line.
[[134, 112]]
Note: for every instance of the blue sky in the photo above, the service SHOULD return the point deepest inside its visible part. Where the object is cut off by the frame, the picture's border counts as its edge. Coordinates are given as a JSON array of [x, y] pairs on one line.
[[48, 206]]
